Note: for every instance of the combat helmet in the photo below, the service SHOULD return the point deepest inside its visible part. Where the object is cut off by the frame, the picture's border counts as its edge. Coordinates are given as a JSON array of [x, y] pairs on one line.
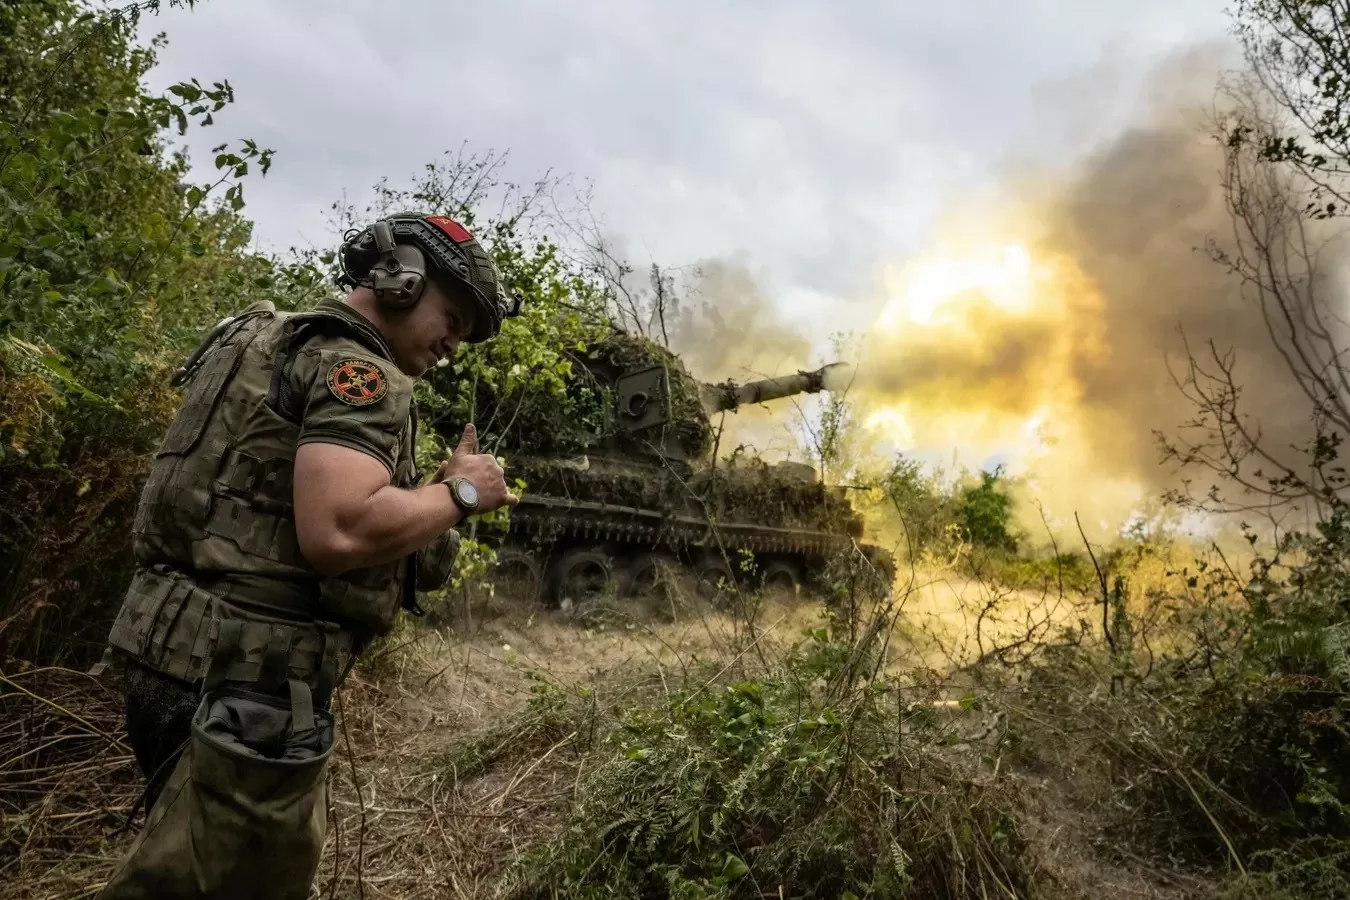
[[396, 255]]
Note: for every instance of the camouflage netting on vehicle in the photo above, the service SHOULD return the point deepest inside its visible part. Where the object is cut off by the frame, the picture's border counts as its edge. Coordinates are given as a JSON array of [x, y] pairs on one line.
[[749, 492], [584, 418], [755, 491], [641, 486]]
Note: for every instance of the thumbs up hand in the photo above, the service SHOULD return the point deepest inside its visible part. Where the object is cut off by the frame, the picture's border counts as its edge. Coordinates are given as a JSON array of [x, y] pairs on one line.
[[481, 469]]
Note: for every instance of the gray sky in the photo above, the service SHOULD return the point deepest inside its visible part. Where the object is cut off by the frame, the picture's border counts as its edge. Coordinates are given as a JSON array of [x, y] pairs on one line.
[[815, 141]]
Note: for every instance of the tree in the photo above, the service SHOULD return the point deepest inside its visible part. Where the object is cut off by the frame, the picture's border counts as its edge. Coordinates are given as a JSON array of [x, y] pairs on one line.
[[1298, 51], [1284, 131], [111, 265]]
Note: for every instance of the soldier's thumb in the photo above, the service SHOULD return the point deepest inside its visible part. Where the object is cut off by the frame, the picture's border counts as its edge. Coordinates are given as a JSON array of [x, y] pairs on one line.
[[468, 442]]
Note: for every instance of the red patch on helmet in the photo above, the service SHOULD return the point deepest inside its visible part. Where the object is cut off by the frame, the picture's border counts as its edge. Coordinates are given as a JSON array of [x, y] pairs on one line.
[[456, 232]]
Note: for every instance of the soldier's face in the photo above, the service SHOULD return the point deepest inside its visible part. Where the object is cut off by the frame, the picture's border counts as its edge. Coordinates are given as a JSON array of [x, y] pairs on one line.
[[430, 331]]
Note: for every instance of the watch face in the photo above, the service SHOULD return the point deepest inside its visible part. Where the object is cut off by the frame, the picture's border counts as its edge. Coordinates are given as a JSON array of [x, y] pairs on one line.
[[467, 492]]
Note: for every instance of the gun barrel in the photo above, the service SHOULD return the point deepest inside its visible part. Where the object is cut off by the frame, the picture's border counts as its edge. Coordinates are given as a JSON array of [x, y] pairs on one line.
[[728, 395]]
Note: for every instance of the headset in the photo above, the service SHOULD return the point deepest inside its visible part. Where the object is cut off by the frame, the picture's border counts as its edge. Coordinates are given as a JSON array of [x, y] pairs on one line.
[[398, 254], [398, 274]]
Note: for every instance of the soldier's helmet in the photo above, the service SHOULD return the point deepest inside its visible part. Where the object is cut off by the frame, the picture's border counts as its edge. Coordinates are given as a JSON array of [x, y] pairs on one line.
[[453, 257]]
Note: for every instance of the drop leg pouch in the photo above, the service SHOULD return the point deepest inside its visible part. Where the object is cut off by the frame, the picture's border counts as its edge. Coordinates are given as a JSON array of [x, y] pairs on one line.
[[243, 814]]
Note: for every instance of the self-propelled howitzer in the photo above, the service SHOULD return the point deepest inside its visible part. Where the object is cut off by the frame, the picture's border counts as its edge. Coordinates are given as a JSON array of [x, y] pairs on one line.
[[623, 482]]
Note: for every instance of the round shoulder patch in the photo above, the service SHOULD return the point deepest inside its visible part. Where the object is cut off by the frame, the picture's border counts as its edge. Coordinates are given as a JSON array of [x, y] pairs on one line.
[[357, 382]]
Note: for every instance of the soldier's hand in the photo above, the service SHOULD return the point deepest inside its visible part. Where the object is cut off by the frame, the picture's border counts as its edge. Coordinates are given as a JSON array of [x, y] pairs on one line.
[[482, 469]]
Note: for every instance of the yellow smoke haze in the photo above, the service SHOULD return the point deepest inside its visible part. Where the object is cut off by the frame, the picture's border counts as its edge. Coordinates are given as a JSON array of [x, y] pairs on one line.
[[1047, 326], [1044, 326], [977, 349]]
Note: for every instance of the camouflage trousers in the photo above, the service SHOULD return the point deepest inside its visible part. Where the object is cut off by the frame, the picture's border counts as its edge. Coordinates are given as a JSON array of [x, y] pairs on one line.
[[243, 813]]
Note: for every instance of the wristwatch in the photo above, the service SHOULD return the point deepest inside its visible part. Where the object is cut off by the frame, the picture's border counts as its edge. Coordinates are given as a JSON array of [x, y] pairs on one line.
[[464, 494]]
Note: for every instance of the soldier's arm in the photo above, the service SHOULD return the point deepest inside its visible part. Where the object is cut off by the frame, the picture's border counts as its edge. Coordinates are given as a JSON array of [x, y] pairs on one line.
[[349, 512], [349, 516]]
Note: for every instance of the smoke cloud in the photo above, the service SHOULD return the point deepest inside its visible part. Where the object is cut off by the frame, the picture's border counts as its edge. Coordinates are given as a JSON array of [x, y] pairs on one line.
[[1046, 324], [1045, 330], [729, 328]]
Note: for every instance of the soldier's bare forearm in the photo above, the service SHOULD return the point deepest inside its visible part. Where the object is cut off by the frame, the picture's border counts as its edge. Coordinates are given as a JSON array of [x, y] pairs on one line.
[[391, 524], [348, 515]]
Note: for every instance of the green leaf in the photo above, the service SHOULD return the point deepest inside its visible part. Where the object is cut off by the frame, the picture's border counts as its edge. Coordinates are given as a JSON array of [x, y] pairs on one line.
[[104, 285], [58, 368], [734, 867]]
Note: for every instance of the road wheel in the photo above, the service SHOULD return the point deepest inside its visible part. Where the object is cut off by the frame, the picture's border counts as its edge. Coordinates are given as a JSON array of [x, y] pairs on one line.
[[518, 576], [653, 580], [715, 581], [781, 577], [581, 576]]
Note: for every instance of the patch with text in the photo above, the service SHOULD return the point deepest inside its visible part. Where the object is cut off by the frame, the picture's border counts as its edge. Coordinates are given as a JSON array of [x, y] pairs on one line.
[[357, 382]]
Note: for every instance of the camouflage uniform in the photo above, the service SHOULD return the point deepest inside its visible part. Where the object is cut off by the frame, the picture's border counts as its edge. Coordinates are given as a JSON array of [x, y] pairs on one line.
[[233, 641]]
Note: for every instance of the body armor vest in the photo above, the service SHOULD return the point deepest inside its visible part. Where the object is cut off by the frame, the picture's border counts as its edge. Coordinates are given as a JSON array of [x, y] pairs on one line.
[[214, 534]]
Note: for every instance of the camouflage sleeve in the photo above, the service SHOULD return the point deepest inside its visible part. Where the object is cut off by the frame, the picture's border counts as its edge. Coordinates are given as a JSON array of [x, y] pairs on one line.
[[352, 398]]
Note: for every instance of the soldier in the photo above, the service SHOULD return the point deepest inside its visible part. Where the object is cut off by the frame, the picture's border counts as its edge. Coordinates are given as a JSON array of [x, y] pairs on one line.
[[282, 526]]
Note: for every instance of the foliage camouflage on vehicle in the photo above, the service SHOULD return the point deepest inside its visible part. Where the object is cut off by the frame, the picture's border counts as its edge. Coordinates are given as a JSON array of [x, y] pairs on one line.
[[602, 496]]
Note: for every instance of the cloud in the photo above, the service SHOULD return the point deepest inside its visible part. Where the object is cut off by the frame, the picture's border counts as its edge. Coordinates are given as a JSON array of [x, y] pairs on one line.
[[815, 139]]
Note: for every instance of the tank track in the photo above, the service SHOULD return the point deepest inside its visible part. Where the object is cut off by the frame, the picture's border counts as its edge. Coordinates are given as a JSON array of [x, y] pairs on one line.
[[547, 517], [616, 537]]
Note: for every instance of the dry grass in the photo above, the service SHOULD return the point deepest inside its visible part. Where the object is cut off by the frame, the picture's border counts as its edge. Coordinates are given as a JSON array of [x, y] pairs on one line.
[[402, 821], [445, 772], [67, 783], [401, 828]]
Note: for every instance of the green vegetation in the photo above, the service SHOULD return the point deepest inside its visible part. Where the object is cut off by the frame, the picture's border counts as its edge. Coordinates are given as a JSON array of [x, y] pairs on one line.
[[1194, 703], [817, 775], [110, 264]]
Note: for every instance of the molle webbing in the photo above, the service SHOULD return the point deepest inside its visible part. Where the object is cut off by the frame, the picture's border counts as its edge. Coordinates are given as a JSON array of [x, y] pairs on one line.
[[159, 600], [267, 482]]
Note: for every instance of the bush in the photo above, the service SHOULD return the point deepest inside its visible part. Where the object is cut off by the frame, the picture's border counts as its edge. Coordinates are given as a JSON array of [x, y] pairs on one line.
[[804, 780], [110, 264], [1223, 736], [984, 512]]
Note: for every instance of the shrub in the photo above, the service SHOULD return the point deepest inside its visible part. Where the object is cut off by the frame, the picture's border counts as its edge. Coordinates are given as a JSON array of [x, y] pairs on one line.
[[804, 780]]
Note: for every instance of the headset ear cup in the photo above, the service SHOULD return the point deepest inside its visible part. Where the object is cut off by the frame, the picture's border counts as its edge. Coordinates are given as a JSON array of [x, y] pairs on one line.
[[405, 295], [399, 278]]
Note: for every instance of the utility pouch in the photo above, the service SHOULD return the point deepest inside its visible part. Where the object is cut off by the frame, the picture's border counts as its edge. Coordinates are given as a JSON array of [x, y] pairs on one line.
[[436, 561], [243, 814]]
